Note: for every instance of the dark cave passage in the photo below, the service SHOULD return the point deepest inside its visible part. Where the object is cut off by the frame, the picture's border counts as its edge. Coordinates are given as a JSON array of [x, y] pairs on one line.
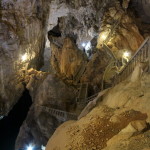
[[10, 125]]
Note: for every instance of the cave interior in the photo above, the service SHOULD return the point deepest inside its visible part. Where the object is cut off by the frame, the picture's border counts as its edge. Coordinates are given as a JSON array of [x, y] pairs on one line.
[[74, 75]]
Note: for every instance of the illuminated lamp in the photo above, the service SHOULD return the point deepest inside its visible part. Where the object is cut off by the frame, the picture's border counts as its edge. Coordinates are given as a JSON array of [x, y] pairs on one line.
[[126, 54], [24, 57], [103, 36], [30, 147], [88, 46], [83, 44]]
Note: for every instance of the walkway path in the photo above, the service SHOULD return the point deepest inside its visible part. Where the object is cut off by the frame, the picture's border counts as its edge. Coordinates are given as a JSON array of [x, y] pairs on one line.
[[59, 114], [142, 55]]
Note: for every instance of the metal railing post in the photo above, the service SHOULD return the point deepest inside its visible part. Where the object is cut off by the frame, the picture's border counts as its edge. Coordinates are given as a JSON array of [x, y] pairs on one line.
[[142, 54], [148, 55]]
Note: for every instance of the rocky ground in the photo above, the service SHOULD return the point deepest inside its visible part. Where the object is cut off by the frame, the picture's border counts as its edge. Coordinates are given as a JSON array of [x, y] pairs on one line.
[[120, 121], [46, 90]]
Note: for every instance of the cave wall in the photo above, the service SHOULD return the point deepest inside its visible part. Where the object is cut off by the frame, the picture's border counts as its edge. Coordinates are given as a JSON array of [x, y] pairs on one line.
[[24, 25], [40, 124], [22, 31], [67, 60], [79, 19], [142, 16], [125, 36], [50, 91]]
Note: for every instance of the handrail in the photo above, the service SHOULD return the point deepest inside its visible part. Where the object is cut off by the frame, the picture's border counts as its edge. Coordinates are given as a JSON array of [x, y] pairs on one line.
[[108, 68], [112, 31], [63, 115], [137, 52], [142, 54], [88, 99], [105, 47]]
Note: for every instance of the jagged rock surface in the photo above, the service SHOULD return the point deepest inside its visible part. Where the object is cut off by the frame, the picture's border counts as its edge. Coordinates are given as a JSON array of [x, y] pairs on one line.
[[51, 93], [67, 60], [95, 69], [126, 35], [78, 19], [117, 123], [22, 31]]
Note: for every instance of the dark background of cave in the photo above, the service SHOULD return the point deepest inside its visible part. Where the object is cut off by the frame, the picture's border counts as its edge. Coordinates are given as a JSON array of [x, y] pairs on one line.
[[10, 125]]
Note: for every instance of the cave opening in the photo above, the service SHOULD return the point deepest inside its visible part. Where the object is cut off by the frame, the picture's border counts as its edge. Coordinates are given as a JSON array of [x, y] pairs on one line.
[[54, 32], [54, 36], [10, 125]]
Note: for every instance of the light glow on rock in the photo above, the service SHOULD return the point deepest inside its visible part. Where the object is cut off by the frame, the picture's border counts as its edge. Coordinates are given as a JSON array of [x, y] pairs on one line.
[[103, 36], [88, 46], [43, 147], [24, 57], [126, 54]]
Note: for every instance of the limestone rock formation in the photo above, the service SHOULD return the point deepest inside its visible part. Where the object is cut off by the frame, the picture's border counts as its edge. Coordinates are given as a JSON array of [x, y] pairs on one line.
[[123, 30], [71, 58], [126, 137], [25, 25], [22, 32], [95, 69], [68, 59], [78, 19], [39, 124], [33, 79], [116, 123]]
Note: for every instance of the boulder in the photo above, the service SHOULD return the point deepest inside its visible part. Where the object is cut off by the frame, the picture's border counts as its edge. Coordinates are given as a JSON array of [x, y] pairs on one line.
[[40, 124]]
